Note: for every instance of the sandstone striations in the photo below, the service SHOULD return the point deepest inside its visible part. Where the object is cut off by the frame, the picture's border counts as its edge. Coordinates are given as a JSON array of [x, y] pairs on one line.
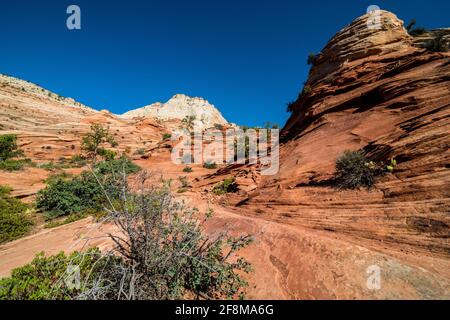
[[371, 90], [180, 106]]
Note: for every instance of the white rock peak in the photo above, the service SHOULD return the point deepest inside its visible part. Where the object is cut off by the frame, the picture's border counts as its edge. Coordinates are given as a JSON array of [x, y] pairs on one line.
[[181, 106]]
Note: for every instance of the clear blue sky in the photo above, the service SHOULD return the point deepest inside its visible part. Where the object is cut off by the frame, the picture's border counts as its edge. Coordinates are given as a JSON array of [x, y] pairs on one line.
[[246, 57]]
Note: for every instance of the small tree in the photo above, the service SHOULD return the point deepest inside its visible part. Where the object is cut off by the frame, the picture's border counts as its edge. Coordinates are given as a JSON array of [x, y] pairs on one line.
[[8, 147], [93, 143]]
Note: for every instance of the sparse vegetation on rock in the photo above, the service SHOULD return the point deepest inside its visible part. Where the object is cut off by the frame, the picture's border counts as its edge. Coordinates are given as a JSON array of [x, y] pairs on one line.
[[93, 143], [14, 221], [354, 170], [210, 165], [64, 196], [228, 185], [187, 169], [8, 151]]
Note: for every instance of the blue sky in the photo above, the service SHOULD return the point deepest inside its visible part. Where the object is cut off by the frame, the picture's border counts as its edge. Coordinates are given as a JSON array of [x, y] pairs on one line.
[[246, 57]]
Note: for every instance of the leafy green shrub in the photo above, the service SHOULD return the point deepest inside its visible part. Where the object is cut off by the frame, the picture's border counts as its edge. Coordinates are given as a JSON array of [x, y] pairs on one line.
[[55, 177], [180, 260], [312, 58], [14, 221], [123, 164], [66, 196], [8, 147], [306, 90], [140, 151], [9, 150], [187, 169], [11, 165], [210, 165], [228, 185], [167, 257], [94, 141], [44, 278], [78, 160], [70, 218], [353, 170], [166, 136], [107, 154]]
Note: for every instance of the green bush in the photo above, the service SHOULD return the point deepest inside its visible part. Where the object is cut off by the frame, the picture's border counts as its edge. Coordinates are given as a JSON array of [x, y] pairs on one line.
[[166, 136], [123, 164], [14, 221], [78, 160], [44, 278], [187, 169], [354, 170], [210, 165], [167, 257], [140, 152], [11, 165], [70, 218], [312, 58], [8, 147], [93, 143], [9, 150], [85, 192], [227, 186]]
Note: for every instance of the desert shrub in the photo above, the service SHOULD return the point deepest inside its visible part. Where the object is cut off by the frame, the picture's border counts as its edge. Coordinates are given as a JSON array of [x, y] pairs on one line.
[[54, 177], [436, 44], [306, 90], [228, 185], [8, 147], [140, 151], [187, 169], [210, 165], [84, 192], [312, 58], [14, 221], [166, 136], [93, 143], [9, 150], [107, 154], [290, 107], [354, 170], [78, 160], [123, 164], [166, 255], [11, 165], [69, 219], [45, 277]]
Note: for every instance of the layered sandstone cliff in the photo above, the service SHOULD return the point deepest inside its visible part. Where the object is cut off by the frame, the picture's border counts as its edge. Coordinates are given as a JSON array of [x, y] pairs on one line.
[[372, 90]]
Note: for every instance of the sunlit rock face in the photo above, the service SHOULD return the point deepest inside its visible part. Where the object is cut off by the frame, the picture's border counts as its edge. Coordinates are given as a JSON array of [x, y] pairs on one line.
[[181, 106]]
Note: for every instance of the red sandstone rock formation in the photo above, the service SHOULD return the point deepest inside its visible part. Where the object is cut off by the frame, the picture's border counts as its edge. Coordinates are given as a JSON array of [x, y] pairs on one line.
[[371, 90]]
